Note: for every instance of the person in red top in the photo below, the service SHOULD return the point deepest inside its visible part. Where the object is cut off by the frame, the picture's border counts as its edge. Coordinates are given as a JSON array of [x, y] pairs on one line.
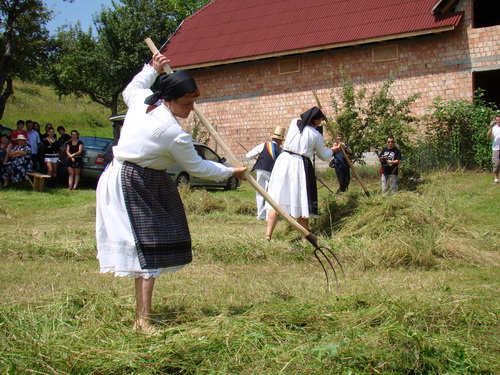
[[14, 133]]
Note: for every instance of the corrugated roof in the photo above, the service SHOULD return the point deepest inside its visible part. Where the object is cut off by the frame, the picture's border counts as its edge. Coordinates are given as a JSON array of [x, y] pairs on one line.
[[239, 30]]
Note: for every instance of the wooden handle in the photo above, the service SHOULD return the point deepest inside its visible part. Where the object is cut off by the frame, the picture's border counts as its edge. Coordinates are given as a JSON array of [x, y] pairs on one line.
[[330, 129], [230, 156]]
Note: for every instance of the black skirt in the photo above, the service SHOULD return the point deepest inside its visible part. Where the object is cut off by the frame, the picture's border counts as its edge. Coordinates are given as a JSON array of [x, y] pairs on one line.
[[77, 163], [157, 217]]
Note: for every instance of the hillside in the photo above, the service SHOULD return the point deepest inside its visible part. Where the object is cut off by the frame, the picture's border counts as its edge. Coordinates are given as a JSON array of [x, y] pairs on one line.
[[42, 104]]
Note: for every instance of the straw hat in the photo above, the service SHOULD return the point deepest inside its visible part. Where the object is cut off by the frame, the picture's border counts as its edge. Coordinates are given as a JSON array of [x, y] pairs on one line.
[[279, 133], [21, 136]]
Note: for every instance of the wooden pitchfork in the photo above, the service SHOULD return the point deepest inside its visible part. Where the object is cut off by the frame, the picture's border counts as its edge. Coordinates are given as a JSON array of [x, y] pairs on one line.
[[320, 251], [330, 129]]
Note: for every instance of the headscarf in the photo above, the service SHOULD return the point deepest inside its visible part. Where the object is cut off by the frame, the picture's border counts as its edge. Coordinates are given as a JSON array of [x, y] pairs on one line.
[[308, 117], [172, 86]]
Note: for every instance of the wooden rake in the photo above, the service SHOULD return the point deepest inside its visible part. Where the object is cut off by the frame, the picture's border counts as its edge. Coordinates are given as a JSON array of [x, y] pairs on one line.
[[320, 251]]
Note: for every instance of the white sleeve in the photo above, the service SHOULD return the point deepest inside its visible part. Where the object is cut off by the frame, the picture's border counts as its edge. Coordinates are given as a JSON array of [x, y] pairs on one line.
[[255, 151], [183, 151], [323, 153], [139, 87]]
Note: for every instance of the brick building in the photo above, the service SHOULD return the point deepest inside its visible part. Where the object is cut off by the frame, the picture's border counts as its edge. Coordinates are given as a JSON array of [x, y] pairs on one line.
[[257, 61]]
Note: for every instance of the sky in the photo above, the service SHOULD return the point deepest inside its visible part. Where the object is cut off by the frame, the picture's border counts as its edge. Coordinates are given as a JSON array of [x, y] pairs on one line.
[[70, 13]]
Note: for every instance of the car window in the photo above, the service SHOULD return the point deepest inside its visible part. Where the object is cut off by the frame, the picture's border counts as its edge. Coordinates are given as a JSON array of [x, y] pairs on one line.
[[97, 143], [200, 152], [210, 155]]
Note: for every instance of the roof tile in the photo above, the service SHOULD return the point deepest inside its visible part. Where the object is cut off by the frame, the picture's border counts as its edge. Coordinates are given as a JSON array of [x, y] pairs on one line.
[[228, 30]]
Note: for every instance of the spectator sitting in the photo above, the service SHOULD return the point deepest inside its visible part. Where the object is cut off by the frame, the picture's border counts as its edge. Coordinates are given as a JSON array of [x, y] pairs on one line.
[[5, 147], [19, 162]]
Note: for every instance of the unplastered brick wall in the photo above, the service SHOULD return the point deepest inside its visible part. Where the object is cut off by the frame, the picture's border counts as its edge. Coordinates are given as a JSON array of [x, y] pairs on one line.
[[246, 101]]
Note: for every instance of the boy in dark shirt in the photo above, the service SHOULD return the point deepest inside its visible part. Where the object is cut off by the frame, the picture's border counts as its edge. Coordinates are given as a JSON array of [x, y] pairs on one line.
[[390, 157]]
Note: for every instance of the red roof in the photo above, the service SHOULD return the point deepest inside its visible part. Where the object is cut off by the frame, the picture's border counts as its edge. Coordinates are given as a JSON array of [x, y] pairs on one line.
[[237, 30]]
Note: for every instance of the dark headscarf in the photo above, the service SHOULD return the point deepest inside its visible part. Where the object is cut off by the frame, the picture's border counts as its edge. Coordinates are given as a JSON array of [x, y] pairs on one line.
[[172, 86], [309, 116]]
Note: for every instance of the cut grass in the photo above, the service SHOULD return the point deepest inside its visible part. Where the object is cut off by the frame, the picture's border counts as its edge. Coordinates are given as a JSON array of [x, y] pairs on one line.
[[419, 295]]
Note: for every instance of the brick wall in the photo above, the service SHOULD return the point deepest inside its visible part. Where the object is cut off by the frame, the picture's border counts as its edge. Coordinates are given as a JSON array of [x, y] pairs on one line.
[[246, 101]]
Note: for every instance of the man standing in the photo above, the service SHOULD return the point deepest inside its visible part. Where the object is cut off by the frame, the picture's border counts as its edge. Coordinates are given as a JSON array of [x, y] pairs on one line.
[[19, 130], [340, 164], [494, 133], [63, 137], [390, 157], [267, 153], [34, 142]]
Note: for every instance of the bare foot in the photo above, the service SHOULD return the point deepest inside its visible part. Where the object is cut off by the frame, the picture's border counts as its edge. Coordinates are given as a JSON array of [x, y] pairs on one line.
[[143, 326]]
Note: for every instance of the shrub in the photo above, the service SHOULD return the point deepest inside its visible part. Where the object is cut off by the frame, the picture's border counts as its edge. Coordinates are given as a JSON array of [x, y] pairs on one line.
[[456, 134]]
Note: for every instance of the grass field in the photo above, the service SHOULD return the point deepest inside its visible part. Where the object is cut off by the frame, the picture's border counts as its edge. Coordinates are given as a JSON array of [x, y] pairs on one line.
[[419, 295]]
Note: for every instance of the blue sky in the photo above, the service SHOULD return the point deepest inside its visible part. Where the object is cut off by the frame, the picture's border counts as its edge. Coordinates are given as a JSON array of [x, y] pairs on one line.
[[70, 13]]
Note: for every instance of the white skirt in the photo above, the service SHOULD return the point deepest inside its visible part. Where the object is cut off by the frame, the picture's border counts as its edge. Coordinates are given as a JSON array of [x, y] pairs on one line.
[[116, 248], [288, 186]]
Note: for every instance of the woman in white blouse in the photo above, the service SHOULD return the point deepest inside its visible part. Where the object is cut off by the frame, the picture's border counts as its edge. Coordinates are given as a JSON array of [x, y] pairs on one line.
[[141, 226], [293, 181]]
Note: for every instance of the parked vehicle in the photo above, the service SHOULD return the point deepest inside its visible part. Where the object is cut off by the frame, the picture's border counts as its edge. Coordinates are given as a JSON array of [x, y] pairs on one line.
[[180, 176], [5, 130], [97, 153]]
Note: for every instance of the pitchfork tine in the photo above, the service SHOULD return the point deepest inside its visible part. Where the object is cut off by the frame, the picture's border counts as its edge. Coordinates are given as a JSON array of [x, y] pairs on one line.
[[320, 250]]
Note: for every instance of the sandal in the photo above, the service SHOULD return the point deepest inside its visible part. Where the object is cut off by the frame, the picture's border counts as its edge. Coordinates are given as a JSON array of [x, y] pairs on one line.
[[268, 237]]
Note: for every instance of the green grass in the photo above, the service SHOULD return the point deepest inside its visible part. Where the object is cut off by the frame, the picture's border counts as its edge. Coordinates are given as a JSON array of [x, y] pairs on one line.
[[419, 295], [41, 104]]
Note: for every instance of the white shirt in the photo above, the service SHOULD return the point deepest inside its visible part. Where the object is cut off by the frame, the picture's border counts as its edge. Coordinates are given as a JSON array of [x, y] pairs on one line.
[[257, 150], [307, 142], [156, 140], [33, 140], [495, 134]]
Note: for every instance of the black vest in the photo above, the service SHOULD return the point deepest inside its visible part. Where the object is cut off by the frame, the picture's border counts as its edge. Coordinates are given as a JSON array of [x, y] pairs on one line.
[[267, 157]]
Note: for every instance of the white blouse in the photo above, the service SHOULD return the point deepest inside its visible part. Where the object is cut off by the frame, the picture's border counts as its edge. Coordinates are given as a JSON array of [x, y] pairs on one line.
[[156, 140], [307, 142]]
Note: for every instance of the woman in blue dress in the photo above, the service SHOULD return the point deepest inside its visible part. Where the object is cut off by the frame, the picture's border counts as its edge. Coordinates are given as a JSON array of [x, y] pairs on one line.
[[19, 162]]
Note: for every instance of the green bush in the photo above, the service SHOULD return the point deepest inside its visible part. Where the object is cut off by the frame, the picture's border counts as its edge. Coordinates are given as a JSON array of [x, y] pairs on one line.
[[456, 134], [366, 120]]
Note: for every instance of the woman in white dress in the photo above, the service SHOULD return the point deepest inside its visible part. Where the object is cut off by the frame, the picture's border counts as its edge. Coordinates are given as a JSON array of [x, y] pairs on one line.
[[141, 226], [293, 180]]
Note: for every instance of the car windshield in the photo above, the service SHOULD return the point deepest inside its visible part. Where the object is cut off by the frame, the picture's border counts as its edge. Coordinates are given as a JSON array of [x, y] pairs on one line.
[[96, 143]]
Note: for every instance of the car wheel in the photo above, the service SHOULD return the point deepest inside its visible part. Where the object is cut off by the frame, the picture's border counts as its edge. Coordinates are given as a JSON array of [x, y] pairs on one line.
[[232, 184], [182, 179]]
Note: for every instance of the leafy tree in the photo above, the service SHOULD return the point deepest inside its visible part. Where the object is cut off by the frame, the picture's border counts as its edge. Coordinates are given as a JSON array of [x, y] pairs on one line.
[[366, 120], [23, 42], [103, 65]]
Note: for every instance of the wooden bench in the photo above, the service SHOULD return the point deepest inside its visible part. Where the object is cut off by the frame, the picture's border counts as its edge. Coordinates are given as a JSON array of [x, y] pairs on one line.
[[38, 180]]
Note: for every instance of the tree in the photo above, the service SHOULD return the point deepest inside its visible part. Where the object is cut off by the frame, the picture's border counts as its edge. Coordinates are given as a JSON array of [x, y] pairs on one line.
[[102, 66], [23, 42], [366, 120]]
